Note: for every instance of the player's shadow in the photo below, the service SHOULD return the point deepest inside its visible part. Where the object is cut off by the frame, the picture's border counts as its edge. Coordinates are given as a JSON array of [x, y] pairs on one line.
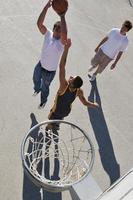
[[55, 173], [30, 190], [102, 136], [55, 176]]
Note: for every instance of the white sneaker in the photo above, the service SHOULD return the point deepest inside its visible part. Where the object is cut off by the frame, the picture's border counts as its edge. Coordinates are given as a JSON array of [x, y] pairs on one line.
[[93, 77]]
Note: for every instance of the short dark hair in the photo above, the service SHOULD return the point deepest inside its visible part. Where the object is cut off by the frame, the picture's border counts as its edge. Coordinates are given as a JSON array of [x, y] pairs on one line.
[[57, 25], [128, 24], [77, 82]]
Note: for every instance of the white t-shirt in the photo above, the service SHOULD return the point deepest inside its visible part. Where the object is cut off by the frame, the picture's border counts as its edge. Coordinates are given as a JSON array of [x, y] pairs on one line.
[[116, 42], [52, 50]]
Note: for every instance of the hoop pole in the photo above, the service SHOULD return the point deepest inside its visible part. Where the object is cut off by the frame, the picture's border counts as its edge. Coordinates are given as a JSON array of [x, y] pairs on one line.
[[87, 189]]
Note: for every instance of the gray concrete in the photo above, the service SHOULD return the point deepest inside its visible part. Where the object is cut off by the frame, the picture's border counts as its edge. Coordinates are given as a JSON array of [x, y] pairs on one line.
[[110, 128], [121, 189], [80, 190]]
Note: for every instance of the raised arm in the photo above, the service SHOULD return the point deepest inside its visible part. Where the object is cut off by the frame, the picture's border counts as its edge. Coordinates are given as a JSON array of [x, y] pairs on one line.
[[85, 102], [41, 18], [63, 29], [62, 78]]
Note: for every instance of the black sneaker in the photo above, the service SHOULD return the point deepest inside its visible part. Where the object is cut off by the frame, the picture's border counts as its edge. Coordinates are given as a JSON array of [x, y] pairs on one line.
[[35, 93], [89, 76], [41, 105]]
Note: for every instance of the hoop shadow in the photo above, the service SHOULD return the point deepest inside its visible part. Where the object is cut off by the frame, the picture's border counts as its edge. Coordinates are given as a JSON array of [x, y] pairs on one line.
[[102, 136], [30, 190]]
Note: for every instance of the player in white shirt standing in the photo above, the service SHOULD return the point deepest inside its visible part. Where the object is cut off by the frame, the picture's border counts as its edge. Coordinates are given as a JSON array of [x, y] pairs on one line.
[[110, 48], [53, 47]]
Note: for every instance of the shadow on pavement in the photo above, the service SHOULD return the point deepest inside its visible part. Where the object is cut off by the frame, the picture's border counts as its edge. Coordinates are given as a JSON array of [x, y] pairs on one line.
[[102, 136], [30, 190], [55, 176]]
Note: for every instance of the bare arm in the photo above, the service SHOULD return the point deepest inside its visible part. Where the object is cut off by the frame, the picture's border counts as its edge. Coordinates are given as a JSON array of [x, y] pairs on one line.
[[102, 42], [63, 30], [62, 78], [41, 18], [85, 102], [116, 60]]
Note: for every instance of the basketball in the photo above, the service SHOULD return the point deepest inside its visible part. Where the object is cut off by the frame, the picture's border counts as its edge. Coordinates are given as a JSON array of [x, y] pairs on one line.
[[60, 6]]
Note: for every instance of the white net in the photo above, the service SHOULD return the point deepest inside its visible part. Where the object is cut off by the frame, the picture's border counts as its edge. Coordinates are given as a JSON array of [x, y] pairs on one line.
[[57, 155]]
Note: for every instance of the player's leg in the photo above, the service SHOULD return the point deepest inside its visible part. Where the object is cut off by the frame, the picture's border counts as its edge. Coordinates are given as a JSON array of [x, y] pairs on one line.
[[104, 63], [56, 132], [37, 78], [48, 138], [51, 133], [97, 61], [93, 65], [47, 78], [51, 129]]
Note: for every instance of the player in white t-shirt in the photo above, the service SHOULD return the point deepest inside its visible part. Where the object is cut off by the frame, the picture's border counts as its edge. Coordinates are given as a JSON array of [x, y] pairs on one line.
[[52, 49], [110, 48]]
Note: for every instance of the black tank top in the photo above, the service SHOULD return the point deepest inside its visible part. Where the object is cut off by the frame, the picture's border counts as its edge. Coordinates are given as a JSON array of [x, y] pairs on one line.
[[62, 104]]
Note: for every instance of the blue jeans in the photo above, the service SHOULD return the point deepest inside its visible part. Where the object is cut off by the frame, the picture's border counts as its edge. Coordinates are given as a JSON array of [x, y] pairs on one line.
[[37, 76], [47, 78], [42, 80]]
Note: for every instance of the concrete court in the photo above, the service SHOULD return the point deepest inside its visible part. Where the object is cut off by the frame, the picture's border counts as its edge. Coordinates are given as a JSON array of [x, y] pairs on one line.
[[110, 128]]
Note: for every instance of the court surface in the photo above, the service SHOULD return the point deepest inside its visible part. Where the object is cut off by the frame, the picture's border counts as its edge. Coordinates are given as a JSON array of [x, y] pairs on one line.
[[110, 128]]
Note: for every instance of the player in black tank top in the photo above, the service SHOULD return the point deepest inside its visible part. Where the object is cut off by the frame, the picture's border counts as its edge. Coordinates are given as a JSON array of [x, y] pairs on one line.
[[68, 91], [62, 104], [66, 94]]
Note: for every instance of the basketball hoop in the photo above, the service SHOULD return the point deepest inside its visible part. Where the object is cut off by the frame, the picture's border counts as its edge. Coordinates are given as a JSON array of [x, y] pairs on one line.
[[57, 154]]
